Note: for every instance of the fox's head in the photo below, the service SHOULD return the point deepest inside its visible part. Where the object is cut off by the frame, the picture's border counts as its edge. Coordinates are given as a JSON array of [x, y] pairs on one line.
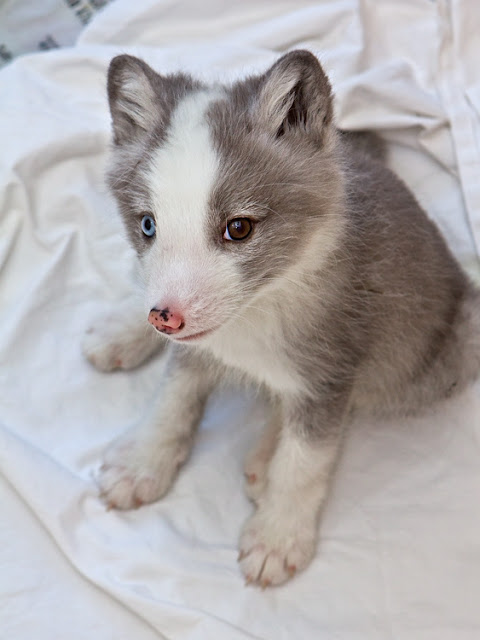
[[225, 190]]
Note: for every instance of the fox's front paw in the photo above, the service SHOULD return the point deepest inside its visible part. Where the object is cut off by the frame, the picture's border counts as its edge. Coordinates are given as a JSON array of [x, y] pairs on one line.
[[136, 473], [112, 343], [273, 547]]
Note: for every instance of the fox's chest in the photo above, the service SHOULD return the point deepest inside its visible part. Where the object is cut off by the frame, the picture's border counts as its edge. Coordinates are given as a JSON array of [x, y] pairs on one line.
[[264, 357]]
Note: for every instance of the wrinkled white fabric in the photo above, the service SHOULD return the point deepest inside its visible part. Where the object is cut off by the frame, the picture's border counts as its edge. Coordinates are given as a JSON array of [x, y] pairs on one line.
[[399, 554]]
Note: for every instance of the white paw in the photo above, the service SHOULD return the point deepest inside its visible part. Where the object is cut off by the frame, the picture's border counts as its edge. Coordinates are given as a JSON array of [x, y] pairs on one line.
[[273, 548], [113, 343], [137, 472]]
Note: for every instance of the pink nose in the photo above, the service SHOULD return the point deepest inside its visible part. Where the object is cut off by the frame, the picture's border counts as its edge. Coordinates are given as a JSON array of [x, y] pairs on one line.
[[165, 320]]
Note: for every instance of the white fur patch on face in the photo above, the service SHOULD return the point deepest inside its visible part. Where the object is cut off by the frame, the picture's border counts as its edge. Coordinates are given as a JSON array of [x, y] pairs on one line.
[[184, 169], [182, 268]]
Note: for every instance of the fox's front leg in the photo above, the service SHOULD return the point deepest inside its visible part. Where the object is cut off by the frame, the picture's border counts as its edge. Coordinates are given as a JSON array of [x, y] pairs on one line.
[[142, 464], [281, 537]]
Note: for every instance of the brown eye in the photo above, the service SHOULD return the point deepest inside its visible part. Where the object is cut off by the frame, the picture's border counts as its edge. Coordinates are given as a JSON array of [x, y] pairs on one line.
[[238, 229]]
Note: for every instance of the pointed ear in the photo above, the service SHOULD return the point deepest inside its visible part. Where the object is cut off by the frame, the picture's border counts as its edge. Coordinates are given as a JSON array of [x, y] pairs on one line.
[[295, 95], [134, 104]]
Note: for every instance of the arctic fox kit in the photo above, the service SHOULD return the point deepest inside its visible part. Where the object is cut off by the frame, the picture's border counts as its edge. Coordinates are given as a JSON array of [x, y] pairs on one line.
[[277, 248]]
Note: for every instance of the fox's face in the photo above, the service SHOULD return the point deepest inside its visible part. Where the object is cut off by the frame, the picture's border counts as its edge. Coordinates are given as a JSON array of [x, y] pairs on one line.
[[224, 191]]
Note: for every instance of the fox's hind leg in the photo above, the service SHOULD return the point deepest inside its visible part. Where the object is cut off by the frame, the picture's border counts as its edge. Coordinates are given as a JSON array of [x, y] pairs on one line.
[[121, 338], [258, 459]]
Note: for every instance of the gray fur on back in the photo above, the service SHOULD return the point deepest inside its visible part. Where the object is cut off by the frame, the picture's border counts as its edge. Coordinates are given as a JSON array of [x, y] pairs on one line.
[[422, 329]]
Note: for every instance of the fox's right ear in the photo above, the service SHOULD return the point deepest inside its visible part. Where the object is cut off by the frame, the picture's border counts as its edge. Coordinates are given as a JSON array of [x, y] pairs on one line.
[[135, 105], [295, 96]]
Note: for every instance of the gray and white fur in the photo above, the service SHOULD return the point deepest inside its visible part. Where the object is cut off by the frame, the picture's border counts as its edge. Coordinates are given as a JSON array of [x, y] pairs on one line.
[[343, 298]]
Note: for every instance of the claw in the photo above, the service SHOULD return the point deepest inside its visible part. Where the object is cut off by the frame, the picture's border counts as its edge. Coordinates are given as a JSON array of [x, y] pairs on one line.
[[137, 502], [265, 583], [291, 570], [248, 581], [251, 478], [243, 554], [260, 573]]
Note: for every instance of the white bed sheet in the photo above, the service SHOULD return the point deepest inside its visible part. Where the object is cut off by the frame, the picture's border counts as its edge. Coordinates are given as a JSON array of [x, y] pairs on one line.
[[399, 555]]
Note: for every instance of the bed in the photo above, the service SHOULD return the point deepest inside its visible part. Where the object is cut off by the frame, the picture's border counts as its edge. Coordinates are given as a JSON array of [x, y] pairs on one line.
[[399, 553]]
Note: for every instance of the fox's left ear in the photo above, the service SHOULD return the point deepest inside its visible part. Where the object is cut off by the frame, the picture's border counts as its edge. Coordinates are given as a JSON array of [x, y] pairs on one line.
[[135, 103], [295, 94]]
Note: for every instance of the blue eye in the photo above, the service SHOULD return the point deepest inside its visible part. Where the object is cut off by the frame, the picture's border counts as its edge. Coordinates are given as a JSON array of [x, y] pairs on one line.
[[148, 226]]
